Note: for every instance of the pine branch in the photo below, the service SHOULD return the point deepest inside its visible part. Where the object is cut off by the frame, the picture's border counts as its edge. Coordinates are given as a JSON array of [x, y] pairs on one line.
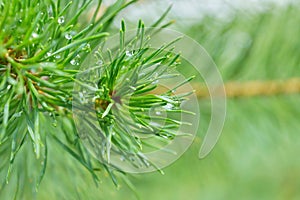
[[123, 99], [42, 47], [42, 44]]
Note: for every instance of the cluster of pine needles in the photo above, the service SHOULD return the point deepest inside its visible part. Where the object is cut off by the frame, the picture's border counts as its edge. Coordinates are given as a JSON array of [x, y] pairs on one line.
[[43, 45]]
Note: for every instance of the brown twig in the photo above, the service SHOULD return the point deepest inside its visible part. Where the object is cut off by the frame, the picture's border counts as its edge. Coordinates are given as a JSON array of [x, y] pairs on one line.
[[254, 88], [235, 89]]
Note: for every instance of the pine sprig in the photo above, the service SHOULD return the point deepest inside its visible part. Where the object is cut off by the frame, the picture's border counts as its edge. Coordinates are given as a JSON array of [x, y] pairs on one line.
[[42, 47], [42, 44], [121, 86]]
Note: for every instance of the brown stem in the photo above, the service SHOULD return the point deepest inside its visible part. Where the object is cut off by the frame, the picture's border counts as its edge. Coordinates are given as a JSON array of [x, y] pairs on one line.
[[236, 89]]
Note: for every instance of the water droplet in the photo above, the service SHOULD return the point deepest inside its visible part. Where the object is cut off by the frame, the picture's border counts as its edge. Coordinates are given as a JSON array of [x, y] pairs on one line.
[[129, 54], [158, 112], [168, 106], [68, 36], [155, 124], [50, 11], [57, 56], [122, 158], [61, 20], [80, 94], [127, 79], [142, 74], [8, 87], [146, 163], [33, 70], [34, 35], [82, 98], [73, 62], [87, 48], [76, 60], [20, 20], [133, 88], [49, 54], [45, 78], [165, 137], [155, 82], [18, 114], [99, 62]]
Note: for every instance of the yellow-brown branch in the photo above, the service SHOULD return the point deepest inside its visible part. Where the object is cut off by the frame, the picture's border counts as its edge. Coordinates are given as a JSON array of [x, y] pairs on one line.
[[254, 88], [246, 89]]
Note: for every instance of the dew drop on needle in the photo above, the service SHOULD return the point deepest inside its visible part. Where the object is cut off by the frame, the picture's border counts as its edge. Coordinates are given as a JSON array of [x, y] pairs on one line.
[[68, 36], [61, 20], [129, 54]]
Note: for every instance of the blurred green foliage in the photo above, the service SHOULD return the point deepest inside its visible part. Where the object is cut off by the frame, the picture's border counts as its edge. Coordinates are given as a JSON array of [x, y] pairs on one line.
[[257, 154], [251, 45]]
